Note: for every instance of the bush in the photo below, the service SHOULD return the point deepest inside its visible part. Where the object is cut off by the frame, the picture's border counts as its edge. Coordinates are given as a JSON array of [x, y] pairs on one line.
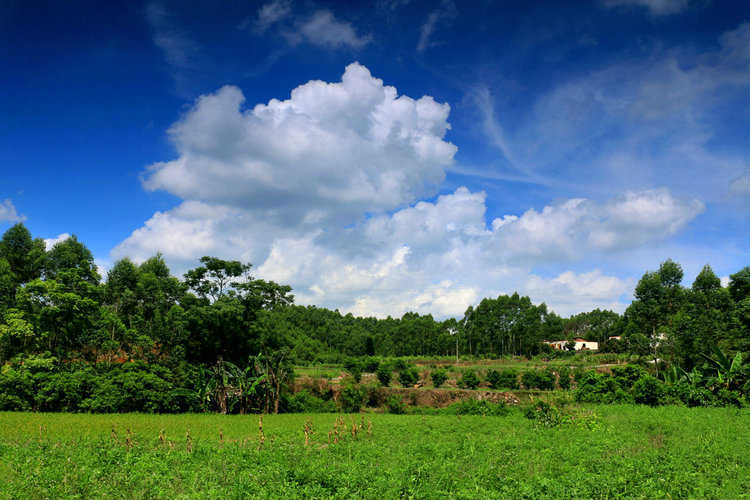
[[628, 375], [305, 402], [648, 391], [503, 379], [692, 396], [476, 407], [352, 399], [564, 377], [545, 414], [408, 377], [355, 367], [538, 379], [729, 398], [395, 404], [132, 387], [398, 364], [551, 415], [384, 374], [578, 373], [600, 388], [469, 380], [371, 364], [439, 377]]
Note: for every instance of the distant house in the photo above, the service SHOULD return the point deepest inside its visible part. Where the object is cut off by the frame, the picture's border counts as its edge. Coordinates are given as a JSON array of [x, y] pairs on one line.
[[558, 345], [615, 337], [580, 344]]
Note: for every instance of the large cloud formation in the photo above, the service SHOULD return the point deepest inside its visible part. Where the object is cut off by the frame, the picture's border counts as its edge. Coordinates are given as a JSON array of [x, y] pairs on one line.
[[331, 151], [322, 191]]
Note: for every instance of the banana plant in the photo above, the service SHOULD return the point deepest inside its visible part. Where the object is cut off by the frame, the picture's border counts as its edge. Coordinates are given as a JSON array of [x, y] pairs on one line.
[[205, 386], [694, 377], [674, 375], [727, 374], [245, 387]]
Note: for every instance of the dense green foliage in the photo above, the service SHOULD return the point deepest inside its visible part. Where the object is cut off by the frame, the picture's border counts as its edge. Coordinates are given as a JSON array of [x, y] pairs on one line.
[[438, 377], [503, 379], [218, 339], [469, 380]]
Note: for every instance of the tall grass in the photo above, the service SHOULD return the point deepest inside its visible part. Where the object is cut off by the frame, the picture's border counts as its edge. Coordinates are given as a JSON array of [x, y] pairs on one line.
[[633, 452]]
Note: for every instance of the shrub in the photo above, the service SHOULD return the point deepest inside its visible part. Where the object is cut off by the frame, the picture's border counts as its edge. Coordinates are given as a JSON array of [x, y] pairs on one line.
[[384, 374], [551, 415], [65, 391], [692, 396], [439, 377], [16, 389], [538, 379], [469, 380], [305, 402], [628, 375], [648, 391], [355, 367], [578, 373], [600, 388], [545, 414], [352, 399], [564, 377], [503, 379], [395, 404], [131, 387], [399, 364], [371, 364], [729, 398], [408, 377]]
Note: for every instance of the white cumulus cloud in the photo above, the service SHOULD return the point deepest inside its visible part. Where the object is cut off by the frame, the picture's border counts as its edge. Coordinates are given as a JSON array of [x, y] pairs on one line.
[[50, 242], [326, 191], [332, 150]]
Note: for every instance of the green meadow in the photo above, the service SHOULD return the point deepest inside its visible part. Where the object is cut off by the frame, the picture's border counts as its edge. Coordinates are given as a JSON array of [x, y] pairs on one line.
[[621, 451]]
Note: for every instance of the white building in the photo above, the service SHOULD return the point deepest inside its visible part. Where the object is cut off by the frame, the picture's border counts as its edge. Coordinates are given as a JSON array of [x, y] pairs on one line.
[[580, 344]]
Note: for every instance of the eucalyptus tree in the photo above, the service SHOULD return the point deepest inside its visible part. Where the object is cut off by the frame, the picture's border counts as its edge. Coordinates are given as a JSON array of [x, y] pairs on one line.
[[71, 254], [224, 305], [24, 256]]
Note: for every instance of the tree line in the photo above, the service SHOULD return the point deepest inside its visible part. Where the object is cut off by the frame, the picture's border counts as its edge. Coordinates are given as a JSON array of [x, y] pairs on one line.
[[58, 315]]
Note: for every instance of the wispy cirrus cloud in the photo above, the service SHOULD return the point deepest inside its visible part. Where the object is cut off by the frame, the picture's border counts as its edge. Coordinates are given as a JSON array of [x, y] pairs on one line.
[[321, 27], [8, 212], [269, 15], [654, 7], [174, 42], [438, 18], [635, 125]]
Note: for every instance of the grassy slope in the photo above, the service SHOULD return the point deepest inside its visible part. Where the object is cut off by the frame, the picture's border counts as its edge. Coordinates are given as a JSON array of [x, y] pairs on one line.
[[635, 451]]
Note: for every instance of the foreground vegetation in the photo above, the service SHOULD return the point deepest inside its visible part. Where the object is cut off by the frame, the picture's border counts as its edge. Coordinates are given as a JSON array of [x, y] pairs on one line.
[[633, 451]]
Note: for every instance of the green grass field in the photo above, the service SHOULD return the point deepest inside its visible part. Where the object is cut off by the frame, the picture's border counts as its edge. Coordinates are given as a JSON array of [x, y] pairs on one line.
[[638, 452]]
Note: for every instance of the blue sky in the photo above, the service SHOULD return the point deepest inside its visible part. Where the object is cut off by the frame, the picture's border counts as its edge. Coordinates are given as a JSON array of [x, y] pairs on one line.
[[386, 156]]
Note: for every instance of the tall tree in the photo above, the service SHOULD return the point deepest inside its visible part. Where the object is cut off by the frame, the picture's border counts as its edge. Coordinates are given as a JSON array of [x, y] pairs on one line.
[[71, 254], [215, 277], [24, 255], [226, 304], [739, 284]]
